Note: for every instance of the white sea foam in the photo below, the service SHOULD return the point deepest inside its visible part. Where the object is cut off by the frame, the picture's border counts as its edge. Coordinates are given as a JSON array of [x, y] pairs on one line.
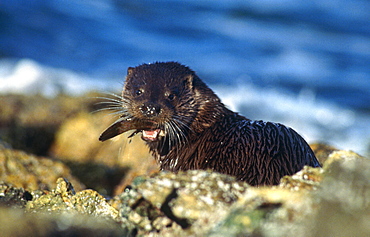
[[29, 77]]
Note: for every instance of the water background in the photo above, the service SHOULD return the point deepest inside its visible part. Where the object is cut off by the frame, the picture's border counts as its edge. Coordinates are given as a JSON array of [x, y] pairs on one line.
[[302, 63]]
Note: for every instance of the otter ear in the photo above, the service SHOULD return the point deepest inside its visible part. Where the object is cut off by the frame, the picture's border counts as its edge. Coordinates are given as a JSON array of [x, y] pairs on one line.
[[130, 71], [188, 81]]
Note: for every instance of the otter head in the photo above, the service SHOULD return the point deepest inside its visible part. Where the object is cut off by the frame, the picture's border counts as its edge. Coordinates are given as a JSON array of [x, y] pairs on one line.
[[164, 101]]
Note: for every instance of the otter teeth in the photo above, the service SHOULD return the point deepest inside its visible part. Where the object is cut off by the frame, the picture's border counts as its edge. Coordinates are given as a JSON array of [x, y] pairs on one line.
[[151, 135]]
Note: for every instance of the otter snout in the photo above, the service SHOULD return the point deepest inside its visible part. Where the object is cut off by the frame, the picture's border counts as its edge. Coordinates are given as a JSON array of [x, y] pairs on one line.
[[150, 109]]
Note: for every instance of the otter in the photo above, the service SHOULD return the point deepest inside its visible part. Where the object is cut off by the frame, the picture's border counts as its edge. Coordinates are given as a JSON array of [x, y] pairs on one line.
[[187, 127]]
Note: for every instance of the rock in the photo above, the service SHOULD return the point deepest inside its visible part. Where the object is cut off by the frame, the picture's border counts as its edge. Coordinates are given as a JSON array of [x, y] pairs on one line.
[[204, 203], [333, 201], [29, 123], [322, 151], [265, 212], [13, 197], [32, 172], [14, 222], [180, 204], [343, 197], [64, 199], [59, 212], [342, 156], [77, 140], [308, 178]]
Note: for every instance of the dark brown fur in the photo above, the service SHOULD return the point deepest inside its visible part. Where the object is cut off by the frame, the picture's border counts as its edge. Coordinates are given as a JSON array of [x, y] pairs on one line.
[[187, 127]]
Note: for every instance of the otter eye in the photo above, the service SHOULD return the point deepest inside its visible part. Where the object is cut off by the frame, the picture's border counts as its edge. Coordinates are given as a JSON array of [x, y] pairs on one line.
[[139, 92], [171, 96]]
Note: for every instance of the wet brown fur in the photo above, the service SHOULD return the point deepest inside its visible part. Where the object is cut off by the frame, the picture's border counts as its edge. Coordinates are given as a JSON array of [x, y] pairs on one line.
[[199, 132]]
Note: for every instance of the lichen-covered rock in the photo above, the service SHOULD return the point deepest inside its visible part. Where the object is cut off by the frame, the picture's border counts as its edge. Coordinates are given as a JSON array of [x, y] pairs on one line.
[[204, 203], [183, 204], [59, 212], [333, 201], [308, 178], [267, 211], [64, 199], [13, 197], [32, 172]]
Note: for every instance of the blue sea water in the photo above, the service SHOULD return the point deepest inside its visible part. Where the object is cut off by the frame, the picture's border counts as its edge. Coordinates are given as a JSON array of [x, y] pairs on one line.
[[302, 63]]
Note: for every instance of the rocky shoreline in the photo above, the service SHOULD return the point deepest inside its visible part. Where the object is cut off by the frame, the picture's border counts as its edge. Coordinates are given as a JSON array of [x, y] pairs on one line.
[[57, 179]]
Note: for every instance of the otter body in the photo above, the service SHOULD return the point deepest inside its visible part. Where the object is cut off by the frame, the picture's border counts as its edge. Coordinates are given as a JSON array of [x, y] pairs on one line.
[[186, 126]]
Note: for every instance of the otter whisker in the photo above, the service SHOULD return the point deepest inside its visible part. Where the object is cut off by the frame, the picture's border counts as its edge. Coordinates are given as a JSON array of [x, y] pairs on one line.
[[114, 103], [181, 123], [114, 112], [118, 96], [173, 139], [109, 98], [182, 129], [112, 107], [167, 137], [180, 134], [114, 98], [175, 136], [181, 120], [110, 104]]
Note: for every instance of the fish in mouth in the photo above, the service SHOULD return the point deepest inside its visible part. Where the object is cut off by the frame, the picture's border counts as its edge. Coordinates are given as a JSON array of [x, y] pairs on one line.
[[149, 129]]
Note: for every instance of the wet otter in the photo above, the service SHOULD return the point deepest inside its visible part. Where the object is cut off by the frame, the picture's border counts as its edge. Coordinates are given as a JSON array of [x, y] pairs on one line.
[[187, 127]]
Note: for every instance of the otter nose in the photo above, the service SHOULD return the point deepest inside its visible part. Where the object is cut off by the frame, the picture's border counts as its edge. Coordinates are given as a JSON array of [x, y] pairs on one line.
[[150, 109]]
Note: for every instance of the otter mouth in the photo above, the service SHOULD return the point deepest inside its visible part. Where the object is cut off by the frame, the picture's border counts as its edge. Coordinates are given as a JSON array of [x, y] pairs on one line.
[[151, 135]]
